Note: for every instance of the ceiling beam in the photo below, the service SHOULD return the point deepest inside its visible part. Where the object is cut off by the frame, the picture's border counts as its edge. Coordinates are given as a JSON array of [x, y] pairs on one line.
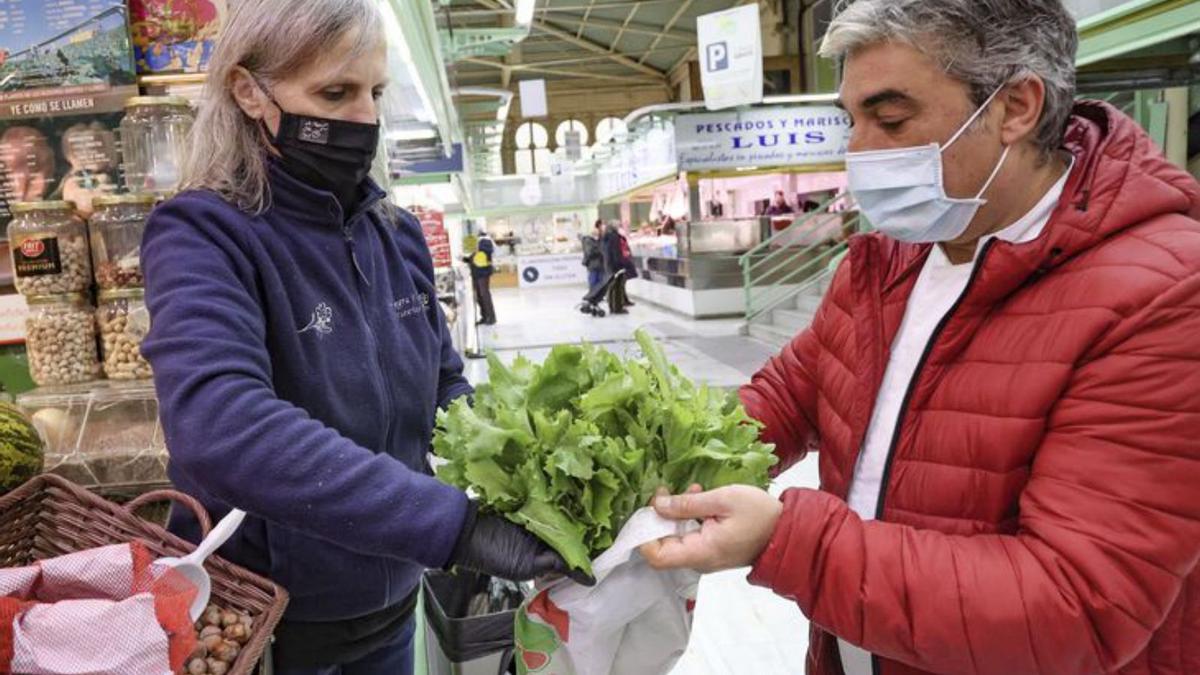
[[624, 26], [573, 74], [457, 10], [683, 7], [632, 27], [583, 24], [576, 60], [584, 43]]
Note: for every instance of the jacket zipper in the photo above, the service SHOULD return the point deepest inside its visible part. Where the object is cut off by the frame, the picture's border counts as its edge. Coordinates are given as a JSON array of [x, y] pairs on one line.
[[912, 385], [378, 372]]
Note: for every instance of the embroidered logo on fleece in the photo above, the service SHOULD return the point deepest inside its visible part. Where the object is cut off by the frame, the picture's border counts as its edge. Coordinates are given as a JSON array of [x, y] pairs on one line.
[[321, 322], [412, 305]]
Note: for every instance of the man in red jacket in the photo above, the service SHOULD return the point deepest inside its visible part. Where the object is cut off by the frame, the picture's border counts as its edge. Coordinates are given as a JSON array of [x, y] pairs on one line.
[[1003, 381]]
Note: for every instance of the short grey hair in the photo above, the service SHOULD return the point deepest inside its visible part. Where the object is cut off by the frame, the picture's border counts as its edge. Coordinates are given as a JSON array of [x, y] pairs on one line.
[[273, 39], [982, 43]]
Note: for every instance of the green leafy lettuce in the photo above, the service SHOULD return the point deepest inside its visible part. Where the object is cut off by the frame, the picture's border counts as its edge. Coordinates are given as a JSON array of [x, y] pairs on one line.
[[569, 449]]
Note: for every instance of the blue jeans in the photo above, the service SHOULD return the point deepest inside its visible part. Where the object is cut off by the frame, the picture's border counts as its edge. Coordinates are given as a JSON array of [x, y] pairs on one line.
[[595, 278], [395, 658]]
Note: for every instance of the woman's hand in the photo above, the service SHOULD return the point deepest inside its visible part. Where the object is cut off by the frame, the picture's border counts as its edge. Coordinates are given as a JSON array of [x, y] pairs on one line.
[[737, 525], [499, 548]]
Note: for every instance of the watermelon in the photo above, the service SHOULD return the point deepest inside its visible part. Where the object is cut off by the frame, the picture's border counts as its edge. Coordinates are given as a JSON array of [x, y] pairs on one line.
[[21, 448]]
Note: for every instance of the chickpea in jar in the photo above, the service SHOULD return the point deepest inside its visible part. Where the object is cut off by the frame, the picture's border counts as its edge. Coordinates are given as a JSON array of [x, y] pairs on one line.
[[60, 340], [49, 249], [123, 321]]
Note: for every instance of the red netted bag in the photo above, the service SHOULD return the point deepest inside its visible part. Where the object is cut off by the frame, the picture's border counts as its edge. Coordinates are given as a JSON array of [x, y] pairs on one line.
[[104, 610]]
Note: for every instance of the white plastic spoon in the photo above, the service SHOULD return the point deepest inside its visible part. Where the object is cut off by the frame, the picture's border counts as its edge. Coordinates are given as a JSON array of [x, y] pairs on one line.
[[191, 566]]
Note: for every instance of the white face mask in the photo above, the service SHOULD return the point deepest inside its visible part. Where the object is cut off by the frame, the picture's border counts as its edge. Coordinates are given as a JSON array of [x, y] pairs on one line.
[[903, 194]]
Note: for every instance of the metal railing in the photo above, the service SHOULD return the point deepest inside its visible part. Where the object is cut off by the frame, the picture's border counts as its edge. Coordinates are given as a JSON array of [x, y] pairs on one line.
[[774, 272]]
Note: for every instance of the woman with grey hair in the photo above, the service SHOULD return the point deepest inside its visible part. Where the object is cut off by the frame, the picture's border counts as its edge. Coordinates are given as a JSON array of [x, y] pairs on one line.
[[299, 353]]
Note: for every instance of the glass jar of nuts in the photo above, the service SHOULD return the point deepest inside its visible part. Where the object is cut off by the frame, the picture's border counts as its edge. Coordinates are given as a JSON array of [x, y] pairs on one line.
[[60, 338], [49, 249], [123, 321], [116, 230]]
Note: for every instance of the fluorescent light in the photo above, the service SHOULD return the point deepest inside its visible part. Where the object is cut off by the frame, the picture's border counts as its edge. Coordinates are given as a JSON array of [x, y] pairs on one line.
[[525, 11], [412, 134]]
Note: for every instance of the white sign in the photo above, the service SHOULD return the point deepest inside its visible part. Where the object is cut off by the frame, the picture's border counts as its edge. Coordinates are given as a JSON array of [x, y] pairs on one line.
[[762, 138], [731, 57], [13, 312], [551, 270], [533, 99], [574, 145]]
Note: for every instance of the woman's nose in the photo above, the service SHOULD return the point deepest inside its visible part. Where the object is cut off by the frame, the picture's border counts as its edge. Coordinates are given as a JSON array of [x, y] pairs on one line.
[[365, 110]]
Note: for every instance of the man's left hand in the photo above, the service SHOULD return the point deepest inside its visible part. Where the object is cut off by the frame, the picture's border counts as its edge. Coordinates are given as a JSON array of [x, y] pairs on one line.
[[737, 524]]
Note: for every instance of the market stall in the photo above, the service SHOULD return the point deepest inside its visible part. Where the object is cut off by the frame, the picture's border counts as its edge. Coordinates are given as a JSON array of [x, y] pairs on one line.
[[687, 231], [536, 247]]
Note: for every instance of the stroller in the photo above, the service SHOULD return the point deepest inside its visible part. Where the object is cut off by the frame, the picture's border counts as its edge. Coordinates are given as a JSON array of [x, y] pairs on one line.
[[591, 301]]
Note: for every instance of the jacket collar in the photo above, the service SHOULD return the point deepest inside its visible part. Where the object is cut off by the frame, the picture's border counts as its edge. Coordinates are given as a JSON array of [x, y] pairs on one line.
[[300, 202]]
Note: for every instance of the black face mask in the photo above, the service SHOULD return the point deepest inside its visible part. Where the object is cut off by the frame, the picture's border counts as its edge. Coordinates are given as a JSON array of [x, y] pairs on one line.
[[331, 155]]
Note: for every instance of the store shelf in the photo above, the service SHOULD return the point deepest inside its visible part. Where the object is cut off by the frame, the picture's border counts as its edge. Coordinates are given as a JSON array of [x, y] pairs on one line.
[[102, 435]]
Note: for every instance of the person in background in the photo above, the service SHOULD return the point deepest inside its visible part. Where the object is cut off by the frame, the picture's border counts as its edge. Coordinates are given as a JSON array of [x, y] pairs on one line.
[[593, 255], [300, 355], [617, 262], [779, 205], [666, 225], [1003, 382], [481, 262], [90, 149], [29, 162]]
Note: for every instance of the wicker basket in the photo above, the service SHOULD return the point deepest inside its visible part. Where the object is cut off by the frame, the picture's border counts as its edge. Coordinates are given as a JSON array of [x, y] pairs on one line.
[[49, 516]]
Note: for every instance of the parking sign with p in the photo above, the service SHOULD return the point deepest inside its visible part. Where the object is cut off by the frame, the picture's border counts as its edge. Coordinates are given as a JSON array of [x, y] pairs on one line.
[[718, 57]]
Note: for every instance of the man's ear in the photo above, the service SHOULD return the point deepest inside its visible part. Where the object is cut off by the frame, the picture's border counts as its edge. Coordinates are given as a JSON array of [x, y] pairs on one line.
[[1023, 102]]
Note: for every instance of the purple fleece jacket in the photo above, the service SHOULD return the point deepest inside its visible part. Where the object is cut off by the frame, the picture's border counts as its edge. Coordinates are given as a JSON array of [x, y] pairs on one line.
[[300, 358]]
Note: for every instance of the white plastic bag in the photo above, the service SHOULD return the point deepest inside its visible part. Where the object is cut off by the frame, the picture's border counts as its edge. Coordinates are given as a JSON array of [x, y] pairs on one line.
[[635, 621]]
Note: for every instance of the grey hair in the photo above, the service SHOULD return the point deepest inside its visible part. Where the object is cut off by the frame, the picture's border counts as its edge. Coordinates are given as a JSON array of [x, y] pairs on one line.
[[273, 39], [982, 43]]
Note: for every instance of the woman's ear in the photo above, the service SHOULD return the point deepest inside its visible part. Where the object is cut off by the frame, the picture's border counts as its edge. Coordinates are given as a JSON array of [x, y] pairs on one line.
[[249, 96]]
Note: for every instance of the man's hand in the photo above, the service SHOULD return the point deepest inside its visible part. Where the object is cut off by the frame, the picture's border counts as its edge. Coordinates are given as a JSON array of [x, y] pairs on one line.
[[737, 524]]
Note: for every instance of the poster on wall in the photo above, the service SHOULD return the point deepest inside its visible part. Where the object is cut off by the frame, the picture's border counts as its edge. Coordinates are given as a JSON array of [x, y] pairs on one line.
[[175, 36], [64, 57], [55, 158]]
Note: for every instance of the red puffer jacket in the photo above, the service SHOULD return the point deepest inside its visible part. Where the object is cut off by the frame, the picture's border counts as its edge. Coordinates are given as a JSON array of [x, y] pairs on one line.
[[1041, 509]]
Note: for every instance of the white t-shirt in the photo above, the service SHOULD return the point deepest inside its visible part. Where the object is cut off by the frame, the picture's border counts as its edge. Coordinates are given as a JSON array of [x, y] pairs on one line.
[[940, 285]]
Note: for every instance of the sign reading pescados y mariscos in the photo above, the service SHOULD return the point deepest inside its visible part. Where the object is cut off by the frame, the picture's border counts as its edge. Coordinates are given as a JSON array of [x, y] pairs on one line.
[[761, 138]]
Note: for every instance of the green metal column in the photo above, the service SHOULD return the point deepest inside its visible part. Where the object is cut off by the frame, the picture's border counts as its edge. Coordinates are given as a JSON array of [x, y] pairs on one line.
[[1176, 145]]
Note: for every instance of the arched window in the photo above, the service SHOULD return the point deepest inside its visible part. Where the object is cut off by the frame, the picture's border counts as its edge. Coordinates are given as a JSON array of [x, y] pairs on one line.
[[532, 154], [610, 129]]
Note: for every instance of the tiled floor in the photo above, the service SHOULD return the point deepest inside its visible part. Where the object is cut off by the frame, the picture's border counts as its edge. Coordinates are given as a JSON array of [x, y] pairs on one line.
[[532, 322], [739, 629]]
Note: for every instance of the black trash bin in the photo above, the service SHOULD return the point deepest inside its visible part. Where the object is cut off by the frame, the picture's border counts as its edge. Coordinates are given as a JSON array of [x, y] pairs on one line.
[[459, 643]]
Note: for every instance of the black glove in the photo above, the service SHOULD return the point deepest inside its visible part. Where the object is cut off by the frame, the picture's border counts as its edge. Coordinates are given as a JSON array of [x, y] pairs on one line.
[[499, 548]]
